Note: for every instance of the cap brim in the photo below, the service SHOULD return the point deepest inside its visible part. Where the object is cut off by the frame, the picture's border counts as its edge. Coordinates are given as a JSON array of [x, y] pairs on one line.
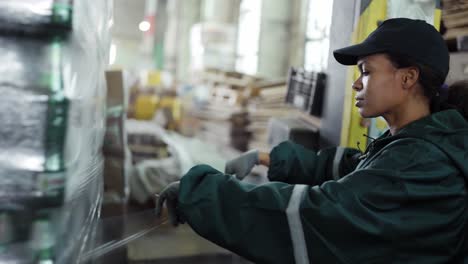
[[350, 55]]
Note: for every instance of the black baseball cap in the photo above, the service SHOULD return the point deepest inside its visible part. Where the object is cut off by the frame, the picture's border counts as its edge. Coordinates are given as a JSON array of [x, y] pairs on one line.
[[413, 38]]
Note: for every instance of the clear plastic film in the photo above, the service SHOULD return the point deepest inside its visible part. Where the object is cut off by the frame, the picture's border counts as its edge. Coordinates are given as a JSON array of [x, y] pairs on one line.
[[36, 16], [143, 223], [52, 126]]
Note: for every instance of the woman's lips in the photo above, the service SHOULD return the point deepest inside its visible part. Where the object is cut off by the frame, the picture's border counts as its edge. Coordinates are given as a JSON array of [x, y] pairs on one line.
[[359, 102]]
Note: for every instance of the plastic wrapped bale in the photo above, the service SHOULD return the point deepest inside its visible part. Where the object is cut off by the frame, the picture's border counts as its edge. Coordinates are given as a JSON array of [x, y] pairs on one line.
[[52, 127], [158, 159], [34, 121], [151, 176], [36, 16], [152, 173]]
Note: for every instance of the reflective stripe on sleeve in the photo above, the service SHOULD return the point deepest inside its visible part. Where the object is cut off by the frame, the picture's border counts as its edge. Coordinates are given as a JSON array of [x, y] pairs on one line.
[[336, 162], [295, 224]]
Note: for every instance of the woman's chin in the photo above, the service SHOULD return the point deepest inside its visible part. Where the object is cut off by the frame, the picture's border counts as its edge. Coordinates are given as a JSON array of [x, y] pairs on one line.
[[362, 112], [365, 114]]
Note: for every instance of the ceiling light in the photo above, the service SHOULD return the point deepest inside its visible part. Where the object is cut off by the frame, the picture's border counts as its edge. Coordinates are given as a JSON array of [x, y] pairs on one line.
[[144, 26]]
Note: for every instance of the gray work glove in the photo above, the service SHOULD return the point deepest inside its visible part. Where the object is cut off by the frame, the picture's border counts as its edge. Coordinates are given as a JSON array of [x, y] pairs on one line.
[[242, 165], [170, 195]]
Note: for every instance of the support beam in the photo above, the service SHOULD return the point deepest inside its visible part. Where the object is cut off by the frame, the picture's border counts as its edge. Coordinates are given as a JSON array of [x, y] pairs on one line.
[[340, 36], [275, 34]]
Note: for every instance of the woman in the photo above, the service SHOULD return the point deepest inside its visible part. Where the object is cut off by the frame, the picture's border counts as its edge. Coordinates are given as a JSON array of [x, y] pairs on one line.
[[402, 201]]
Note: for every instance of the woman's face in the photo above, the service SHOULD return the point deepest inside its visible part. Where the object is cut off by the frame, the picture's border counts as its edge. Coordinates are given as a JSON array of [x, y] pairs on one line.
[[379, 88]]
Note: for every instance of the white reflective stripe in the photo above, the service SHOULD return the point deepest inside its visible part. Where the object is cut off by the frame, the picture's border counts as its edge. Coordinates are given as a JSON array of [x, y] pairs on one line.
[[336, 162], [295, 224]]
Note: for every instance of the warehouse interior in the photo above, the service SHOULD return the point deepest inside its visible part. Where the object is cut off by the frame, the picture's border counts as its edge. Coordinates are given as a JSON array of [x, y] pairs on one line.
[[135, 93]]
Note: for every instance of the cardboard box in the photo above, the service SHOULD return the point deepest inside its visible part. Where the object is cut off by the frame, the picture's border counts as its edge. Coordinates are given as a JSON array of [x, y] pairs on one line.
[[458, 67], [115, 139], [117, 94], [116, 170]]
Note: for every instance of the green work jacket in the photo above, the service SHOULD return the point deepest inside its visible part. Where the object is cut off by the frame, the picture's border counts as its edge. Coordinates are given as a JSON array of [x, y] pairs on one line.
[[402, 201]]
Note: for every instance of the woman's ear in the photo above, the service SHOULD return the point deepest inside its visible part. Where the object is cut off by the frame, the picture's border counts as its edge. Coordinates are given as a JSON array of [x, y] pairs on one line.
[[410, 77]]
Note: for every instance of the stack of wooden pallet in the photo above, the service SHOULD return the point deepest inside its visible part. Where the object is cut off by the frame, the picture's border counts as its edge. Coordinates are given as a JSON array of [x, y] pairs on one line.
[[268, 100], [214, 122], [222, 119], [455, 18]]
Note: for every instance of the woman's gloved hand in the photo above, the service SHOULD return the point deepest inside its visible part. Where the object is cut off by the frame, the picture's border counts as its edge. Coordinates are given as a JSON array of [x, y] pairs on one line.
[[170, 195], [242, 165]]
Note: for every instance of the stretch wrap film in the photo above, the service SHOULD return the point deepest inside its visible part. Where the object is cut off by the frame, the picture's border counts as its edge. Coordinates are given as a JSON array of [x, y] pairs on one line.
[[52, 124], [38, 17]]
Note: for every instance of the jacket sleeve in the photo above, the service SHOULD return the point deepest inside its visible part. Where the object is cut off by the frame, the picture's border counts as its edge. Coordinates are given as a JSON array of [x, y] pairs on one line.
[[293, 163], [388, 210]]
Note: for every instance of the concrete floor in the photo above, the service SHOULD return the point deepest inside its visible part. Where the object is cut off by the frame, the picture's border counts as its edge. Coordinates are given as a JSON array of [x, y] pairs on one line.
[[164, 244]]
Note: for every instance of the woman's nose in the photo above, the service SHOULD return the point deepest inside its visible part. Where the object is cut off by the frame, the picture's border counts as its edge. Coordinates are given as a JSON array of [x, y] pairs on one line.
[[357, 85]]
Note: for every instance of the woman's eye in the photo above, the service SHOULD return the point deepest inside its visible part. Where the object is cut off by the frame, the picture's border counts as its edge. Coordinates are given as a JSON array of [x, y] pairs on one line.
[[365, 73]]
